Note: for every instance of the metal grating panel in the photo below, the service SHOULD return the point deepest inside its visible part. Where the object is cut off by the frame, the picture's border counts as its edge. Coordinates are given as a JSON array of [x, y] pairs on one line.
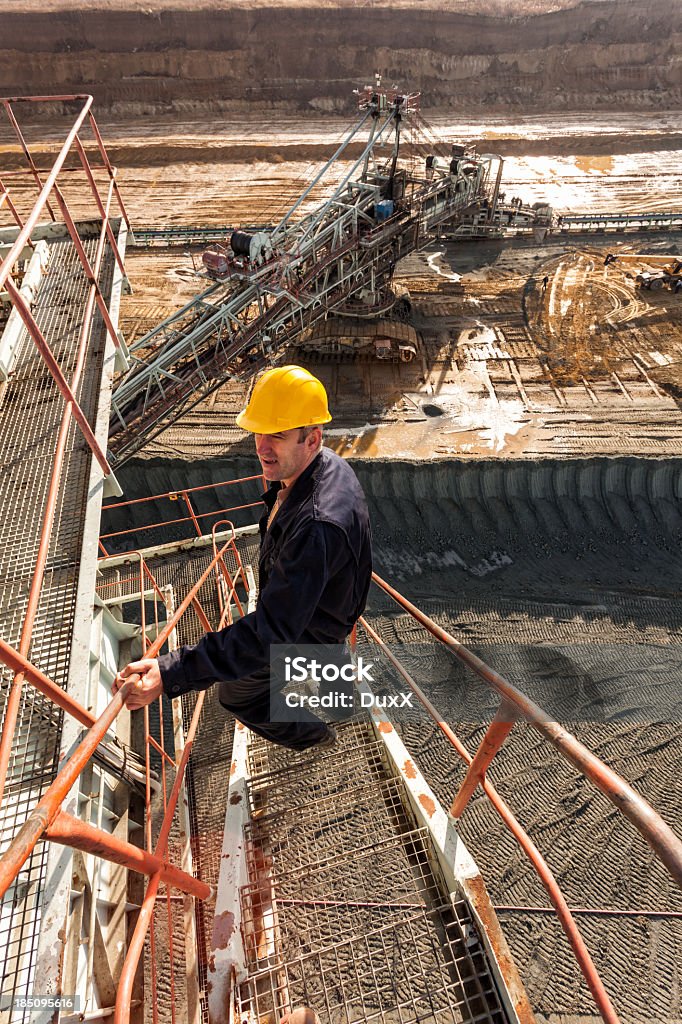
[[291, 913], [344, 911], [428, 967], [31, 409]]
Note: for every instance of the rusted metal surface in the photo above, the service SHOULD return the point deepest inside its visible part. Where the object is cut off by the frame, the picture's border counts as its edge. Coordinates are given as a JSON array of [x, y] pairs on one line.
[[459, 869], [70, 831], [47, 809], [476, 893], [194, 517], [496, 734]]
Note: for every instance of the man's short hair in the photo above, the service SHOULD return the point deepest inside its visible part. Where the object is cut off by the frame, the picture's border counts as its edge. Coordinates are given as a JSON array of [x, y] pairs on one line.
[[306, 431]]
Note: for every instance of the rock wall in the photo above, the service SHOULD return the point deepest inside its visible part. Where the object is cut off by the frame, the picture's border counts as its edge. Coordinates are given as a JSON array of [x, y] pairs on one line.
[[615, 54]]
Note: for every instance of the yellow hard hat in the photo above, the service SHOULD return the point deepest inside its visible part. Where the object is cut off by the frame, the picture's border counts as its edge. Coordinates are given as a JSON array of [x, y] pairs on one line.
[[285, 397]]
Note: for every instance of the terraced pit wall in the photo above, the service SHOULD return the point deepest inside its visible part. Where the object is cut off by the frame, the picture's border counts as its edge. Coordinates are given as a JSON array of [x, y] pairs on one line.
[[164, 56], [416, 507]]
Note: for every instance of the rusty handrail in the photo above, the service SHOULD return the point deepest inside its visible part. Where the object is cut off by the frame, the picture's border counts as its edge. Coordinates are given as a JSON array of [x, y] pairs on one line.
[[46, 819], [175, 495], [232, 592], [173, 522], [25, 233], [542, 868], [48, 807], [658, 834], [91, 273], [187, 490], [516, 705], [71, 409], [136, 946]]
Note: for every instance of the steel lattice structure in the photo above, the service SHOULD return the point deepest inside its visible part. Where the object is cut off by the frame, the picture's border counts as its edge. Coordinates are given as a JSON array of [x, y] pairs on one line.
[[336, 260]]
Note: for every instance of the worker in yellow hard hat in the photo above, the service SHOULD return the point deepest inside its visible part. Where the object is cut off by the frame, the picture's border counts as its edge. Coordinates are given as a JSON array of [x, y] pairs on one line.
[[286, 412], [315, 568]]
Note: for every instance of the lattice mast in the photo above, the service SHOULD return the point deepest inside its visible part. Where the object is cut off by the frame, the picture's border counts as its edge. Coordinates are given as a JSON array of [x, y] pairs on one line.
[[337, 259]]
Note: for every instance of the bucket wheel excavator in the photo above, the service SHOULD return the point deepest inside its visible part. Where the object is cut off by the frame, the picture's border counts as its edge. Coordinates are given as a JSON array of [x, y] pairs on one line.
[[319, 278]]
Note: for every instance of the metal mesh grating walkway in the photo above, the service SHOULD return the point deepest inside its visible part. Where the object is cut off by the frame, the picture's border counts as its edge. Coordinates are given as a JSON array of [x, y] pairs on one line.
[[31, 409], [344, 911]]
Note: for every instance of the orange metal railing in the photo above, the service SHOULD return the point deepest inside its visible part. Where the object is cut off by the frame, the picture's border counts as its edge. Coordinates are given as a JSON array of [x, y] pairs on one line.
[[47, 810], [515, 707], [72, 408], [184, 495], [48, 821], [52, 188], [226, 582], [146, 919]]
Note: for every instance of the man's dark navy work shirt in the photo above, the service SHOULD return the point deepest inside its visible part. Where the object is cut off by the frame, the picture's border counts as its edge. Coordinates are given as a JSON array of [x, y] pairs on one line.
[[315, 569]]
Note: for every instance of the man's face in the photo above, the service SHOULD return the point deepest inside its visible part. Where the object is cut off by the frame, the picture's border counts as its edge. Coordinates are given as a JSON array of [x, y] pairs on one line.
[[284, 455]]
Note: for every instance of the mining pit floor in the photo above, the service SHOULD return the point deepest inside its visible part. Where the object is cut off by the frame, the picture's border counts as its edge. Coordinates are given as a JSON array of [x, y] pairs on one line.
[[524, 481]]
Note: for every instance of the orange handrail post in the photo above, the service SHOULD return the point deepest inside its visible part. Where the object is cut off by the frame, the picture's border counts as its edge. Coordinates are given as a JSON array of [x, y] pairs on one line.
[[70, 831], [232, 583], [497, 732], [190, 509]]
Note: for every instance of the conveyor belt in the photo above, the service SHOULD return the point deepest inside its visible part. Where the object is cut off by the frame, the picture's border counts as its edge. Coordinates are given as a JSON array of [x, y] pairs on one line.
[[663, 220], [173, 235]]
